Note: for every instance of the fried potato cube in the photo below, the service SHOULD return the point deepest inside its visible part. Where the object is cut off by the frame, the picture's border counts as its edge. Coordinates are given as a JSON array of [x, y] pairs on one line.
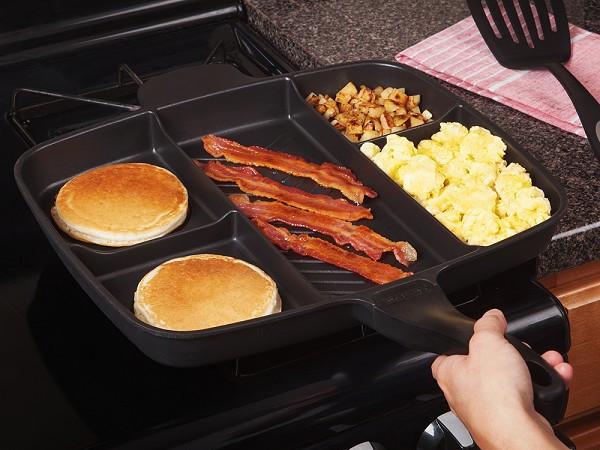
[[354, 127], [401, 111], [385, 94], [351, 137], [378, 126], [390, 106], [345, 107], [342, 97], [415, 121], [343, 118], [330, 113], [375, 112], [413, 100], [321, 109], [337, 125], [398, 97], [312, 99], [378, 90], [369, 135], [427, 115], [400, 120], [349, 89], [400, 128], [387, 121]]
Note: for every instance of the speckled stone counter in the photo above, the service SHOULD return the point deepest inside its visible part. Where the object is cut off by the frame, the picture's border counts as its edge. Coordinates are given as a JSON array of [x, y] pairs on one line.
[[315, 33]]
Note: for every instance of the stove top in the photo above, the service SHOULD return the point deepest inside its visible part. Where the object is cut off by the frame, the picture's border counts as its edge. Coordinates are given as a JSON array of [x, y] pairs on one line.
[[70, 380]]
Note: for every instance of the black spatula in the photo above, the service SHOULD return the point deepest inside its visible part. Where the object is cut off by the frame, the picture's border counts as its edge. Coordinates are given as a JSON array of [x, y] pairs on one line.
[[519, 41]]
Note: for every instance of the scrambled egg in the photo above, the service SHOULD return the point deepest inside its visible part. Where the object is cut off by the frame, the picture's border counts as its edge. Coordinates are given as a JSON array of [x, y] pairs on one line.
[[460, 176]]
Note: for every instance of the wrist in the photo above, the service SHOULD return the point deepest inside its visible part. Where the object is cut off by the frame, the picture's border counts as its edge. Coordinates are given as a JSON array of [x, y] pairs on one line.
[[522, 430]]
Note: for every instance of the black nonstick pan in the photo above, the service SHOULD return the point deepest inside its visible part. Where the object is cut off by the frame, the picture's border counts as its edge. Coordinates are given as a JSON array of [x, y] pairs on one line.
[[318, 298]]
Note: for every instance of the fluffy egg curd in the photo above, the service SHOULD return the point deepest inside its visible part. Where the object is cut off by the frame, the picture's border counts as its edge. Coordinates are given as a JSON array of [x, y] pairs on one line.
[[461, 177]]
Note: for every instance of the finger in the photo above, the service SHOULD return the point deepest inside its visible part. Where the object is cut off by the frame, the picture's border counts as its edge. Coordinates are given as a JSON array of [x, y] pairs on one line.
[[553, 358], [565, 370], [492, 321], [435, 367]]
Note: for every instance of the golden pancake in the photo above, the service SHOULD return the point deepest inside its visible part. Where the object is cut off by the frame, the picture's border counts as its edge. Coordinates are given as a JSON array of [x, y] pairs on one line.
[[204, 291], [121, 204]]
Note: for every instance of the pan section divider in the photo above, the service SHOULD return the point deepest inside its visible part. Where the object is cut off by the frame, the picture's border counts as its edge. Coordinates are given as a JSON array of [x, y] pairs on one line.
[[231, 236], [274, 115]]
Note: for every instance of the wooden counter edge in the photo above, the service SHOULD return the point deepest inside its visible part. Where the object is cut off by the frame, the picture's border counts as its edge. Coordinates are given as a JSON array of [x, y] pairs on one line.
[[578, 289]]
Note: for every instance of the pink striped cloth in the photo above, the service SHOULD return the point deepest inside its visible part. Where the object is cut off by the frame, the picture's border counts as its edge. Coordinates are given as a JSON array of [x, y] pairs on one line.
[[459, 56]]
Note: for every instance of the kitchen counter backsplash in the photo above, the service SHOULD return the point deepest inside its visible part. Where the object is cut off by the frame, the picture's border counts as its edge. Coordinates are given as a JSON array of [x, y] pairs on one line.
[[315, 33]]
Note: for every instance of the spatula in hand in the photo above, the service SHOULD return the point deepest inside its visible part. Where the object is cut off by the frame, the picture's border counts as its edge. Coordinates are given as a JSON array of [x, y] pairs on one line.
[[520, 41]]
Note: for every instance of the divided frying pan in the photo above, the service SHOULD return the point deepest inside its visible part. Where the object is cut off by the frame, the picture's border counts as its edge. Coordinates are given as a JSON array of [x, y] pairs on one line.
[[318, 299]]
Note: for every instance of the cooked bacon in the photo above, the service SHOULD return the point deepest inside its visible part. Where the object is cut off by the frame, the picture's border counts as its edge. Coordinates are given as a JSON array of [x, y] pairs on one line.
[[326, 174], [360, 237], [330, 253], [252, 182]]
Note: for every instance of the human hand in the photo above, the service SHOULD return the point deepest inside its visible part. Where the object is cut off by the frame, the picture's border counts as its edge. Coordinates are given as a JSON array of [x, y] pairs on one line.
[[490, 389]]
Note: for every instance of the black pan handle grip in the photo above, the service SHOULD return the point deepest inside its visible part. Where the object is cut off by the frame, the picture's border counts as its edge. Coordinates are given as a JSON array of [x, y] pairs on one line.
[[586, 105], [550, 393], [419, 316]]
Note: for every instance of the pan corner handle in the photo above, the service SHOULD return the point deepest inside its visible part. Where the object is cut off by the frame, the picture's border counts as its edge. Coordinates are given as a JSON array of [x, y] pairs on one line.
[[419, 316]]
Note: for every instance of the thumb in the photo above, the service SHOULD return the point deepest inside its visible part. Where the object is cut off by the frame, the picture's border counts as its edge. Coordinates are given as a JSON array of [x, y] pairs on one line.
[[493, 322]]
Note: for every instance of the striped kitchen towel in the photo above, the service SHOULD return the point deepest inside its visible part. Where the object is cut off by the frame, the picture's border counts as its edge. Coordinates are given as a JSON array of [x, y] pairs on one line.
[[459, 56]]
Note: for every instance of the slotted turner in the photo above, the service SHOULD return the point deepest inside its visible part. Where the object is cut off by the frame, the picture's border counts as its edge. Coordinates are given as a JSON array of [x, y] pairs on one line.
[[521, 42]]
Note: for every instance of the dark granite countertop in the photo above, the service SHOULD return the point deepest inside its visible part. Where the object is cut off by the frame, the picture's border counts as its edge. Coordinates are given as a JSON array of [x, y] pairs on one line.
[[314, 33]]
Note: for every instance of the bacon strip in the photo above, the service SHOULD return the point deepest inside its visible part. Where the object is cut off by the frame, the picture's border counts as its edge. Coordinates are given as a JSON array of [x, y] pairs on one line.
[[360, 237], [326, 174], [252, 182], [377, 272]]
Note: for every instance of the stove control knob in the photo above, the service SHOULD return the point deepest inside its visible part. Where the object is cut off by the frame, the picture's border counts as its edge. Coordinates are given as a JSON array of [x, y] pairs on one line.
[[446, 432]]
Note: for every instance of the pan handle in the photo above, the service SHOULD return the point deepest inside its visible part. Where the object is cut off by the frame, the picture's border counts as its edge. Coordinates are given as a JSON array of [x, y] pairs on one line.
[[190, 82], [419, 316]]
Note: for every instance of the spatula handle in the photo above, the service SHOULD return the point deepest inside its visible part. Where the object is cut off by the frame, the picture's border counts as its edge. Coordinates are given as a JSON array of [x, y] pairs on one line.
[[586, 105], [420, 317]]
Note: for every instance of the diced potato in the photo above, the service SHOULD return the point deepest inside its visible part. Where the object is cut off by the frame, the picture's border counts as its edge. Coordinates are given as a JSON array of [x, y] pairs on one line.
[[369, 135], [400, 120], [400, 128], [415, 121], [337, 125], [387, 92], [312, 99], [390, 106], [351, 137], [349, 89], [398, 97], [329, 113], [342, 118], [386, 121], [354, 127], [363, 113], [377, 124], [342, 97], [376, 112], [413, 100]]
